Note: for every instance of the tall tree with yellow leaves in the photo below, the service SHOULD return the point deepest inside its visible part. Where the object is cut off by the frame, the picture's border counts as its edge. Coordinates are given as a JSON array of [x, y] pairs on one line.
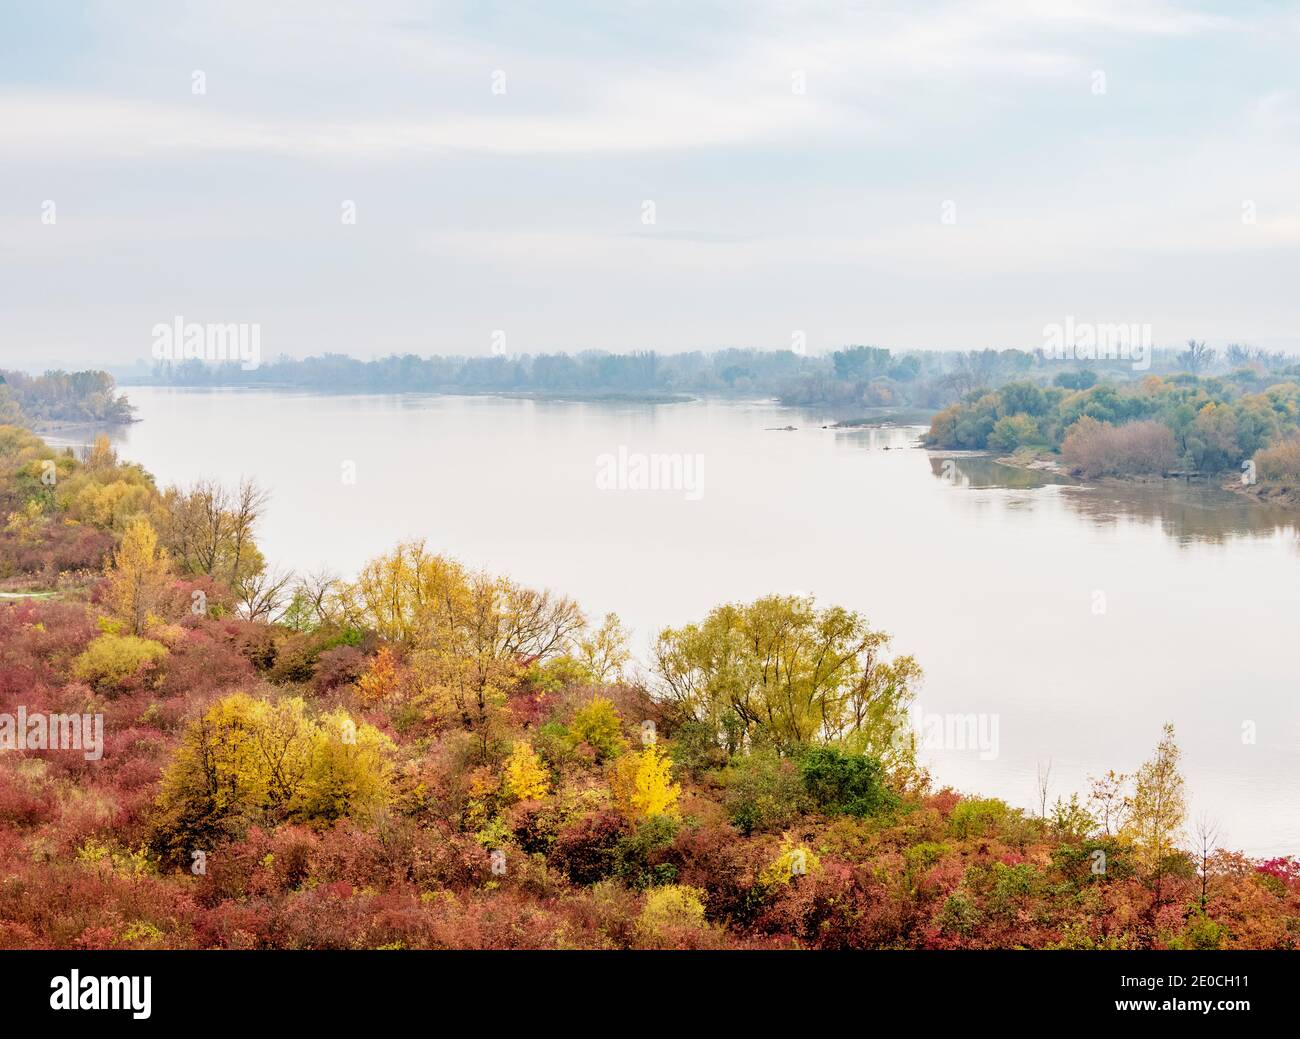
[[604, 651], [642, 784], [1158, 809], [138, 576]]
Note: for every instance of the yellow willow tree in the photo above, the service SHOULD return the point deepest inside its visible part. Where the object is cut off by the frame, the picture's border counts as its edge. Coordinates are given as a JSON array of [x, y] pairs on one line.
[[795, 673], [407, 595], [138, 576], [469, 635]]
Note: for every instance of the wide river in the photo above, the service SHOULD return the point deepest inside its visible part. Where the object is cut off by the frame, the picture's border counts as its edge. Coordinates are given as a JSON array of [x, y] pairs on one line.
[[1071, 621]]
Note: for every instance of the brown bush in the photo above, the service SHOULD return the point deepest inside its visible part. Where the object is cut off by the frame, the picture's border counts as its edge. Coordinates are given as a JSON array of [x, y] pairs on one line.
[[1091, 448], [1280, 463]]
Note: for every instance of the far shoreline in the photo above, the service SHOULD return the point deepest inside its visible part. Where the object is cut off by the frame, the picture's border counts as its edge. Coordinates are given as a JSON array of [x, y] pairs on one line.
[[1266, 495], [593, 397]]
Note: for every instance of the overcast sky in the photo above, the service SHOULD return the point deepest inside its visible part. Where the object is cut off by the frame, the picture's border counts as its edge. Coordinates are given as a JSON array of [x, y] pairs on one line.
[[1095, 160]]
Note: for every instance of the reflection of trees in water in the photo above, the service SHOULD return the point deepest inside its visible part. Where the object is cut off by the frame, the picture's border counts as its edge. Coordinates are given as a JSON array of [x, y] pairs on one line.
[[980, 472], [1185, 512], [876, 438]]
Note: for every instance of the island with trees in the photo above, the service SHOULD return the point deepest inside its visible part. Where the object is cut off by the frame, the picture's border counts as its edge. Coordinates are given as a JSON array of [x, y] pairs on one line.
[[1242, 428], [60, 399]]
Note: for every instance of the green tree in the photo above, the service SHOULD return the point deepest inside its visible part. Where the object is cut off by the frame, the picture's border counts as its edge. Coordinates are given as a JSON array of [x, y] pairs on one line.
[[783, 669], [597, 723]]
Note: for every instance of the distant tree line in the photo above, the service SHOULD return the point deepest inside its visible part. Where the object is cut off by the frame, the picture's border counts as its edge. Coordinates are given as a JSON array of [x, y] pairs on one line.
[[595, 372], [855, 377]]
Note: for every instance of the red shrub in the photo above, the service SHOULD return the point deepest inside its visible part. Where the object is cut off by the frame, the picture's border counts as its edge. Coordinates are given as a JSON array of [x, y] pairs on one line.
[[340, 666], [584, 849]]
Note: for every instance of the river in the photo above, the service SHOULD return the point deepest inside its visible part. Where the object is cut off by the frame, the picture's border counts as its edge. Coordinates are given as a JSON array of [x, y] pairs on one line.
[[1070, 621]]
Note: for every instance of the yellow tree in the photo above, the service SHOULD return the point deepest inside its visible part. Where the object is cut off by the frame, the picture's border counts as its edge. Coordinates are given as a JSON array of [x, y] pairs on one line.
[[138, 576], [642, 784], [1158, 808], [795, 860], [101, 454], [525, 775], [407, 595], [468, 635], [247, 760]]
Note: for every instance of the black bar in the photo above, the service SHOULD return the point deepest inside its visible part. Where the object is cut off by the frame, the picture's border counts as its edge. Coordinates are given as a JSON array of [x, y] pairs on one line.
[[331, 988]]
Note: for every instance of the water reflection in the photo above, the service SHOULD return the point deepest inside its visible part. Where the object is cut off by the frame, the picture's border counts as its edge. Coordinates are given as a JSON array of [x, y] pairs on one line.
[[1185, 512]]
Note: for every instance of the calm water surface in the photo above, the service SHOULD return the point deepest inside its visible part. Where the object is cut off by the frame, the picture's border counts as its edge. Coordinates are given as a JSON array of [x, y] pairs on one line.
[[1080, 618]]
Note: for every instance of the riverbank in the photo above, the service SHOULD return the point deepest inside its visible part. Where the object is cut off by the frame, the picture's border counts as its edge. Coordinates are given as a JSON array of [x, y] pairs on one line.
[[1271, 495], [56, 427], [885, 417]]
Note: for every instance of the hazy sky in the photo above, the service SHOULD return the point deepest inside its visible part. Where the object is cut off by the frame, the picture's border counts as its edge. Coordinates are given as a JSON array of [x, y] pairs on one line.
[[1101, 160]]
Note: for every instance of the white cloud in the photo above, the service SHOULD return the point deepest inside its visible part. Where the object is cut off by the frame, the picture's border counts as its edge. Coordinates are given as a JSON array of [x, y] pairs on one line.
[[865, 68], [643, 117]]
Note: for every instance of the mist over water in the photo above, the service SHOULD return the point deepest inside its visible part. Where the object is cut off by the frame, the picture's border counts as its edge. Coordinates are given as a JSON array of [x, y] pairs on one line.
[[991, 577]]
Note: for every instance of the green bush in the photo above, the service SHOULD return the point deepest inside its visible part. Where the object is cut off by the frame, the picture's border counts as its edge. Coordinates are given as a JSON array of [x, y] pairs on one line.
[[1200, 933], [637, 856], [959, 915], [694, 748], [599, 725], [843, 784], [1012, 885], [556, 745], [1013, 431], [920, 857], [978, 817]]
